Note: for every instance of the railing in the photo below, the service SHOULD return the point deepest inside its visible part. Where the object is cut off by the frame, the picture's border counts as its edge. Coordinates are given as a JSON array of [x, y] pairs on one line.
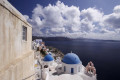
[[29, 76]]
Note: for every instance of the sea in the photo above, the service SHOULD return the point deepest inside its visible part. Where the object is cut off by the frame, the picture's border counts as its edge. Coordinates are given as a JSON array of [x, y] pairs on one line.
[[104, 54]]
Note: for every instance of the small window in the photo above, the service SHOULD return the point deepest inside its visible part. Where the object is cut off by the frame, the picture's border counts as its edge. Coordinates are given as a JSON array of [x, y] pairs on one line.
[[24, 34]]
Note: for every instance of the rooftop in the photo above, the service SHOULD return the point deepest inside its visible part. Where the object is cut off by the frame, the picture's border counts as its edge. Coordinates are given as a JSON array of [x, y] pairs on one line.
[[48, 57], [71, 58]]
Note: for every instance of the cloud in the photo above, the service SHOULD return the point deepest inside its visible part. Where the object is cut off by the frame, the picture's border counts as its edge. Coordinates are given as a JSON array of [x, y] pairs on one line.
[[58, 30], [116, 9], [26, 17], [69, 21], [92, 14], [104, 31], [113, 20], [106, 36], [86, 25], [117, 31], [55, 19]]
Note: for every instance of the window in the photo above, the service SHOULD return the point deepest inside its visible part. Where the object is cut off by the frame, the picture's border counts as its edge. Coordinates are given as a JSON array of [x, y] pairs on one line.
[[24, 34]]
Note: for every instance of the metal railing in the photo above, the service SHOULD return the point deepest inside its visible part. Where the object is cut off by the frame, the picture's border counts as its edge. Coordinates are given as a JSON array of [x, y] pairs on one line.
[[29, 76]]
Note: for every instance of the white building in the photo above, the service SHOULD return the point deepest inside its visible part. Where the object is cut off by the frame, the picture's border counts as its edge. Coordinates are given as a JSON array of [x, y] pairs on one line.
[[71, 63], [38, 41], [16, 55], [48, 60]]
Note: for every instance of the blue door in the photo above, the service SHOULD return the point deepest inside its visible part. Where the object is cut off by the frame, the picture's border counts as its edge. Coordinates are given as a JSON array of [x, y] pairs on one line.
[[72, 70]]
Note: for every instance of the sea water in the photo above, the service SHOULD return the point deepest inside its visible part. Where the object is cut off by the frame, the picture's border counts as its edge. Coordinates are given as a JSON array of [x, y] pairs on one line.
[[104, 54]]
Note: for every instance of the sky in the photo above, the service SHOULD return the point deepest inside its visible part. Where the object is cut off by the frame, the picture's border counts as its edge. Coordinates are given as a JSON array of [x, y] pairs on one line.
[[94, 19]]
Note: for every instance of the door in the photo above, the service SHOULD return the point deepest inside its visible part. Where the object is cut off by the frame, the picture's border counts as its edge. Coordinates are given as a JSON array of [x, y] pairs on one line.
[[64, 68], [72, 70]]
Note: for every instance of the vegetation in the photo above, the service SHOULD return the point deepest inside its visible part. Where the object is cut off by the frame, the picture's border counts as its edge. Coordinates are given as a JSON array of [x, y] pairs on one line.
[[43, 52], [55, 51]]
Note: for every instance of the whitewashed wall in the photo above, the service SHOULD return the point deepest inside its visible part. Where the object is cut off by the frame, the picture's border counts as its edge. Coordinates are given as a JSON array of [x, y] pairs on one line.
[[69, 66], [16, 56], [49, 63]]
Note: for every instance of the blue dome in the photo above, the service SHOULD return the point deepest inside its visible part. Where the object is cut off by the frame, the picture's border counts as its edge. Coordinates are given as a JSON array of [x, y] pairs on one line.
[[48, 57], [71, 58]]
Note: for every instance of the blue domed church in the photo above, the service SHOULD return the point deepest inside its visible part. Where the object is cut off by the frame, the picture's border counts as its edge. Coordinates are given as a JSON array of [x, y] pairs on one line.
[[48, 60], [71, 63]]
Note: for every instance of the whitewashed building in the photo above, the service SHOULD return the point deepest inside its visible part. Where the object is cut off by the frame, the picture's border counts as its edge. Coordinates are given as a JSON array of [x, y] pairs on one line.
[[71, 64], [48, 60], [16, 55]]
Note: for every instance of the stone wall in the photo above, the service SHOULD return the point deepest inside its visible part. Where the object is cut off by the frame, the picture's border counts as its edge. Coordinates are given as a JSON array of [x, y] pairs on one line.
[[16, 56]]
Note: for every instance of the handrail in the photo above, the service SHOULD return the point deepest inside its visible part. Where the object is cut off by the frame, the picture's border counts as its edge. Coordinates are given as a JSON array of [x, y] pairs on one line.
[[29, 76]]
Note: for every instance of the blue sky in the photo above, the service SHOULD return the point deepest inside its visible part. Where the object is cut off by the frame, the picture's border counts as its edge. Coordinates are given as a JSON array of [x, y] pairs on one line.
[[26, 6], [98, 19]]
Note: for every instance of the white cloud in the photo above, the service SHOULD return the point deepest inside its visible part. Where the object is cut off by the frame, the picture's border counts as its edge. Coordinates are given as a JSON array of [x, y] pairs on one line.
[[117, 31], [116, 9], [112, 20], [86, 25], [26, 17], [69, 21], [103, 30], [92, 14], [58, 30], [54, 19]]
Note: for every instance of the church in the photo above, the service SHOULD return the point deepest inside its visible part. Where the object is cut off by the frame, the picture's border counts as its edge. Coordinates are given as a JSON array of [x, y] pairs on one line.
[[70, 65]]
